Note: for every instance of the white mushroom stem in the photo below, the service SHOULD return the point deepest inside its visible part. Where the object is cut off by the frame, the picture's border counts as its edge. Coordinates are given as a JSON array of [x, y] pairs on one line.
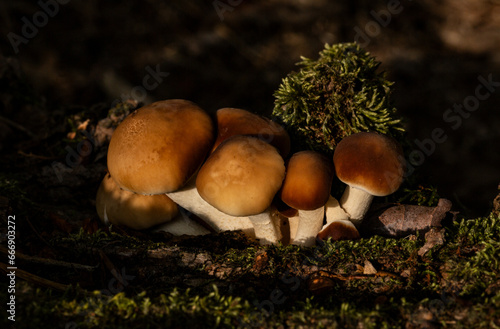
[[334, 212], [293, 223], [355, 202], [183, 224], [310, 223], [189, 199], [266, 226], [105, 219]]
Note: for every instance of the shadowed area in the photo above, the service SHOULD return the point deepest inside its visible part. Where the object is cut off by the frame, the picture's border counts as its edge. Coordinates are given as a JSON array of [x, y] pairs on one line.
[[79, 54]]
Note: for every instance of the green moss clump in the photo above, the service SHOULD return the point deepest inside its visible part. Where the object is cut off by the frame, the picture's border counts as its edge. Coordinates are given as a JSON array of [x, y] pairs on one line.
[[479, 272], [422, 196], [339, 94]]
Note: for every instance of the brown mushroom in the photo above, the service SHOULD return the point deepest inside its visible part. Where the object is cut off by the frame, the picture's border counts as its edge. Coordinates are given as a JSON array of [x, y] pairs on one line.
[[306, 188], [338, 226], [240, 178], [371, 165], [117, 206], [159, 148], [339, 230], [233, 121]]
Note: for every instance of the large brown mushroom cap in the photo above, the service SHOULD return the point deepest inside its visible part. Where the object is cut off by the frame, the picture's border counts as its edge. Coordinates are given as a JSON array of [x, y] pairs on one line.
[[157, 148], [308, 180], [371, 162], [241, 176], [232, 121], [136, 211]]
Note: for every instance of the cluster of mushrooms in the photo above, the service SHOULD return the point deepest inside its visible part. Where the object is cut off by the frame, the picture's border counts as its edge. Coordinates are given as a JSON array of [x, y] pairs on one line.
[[170, 167]]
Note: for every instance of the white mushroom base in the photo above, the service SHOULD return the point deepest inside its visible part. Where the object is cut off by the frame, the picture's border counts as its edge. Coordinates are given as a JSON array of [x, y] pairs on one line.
[[293, 223], [333, 211], [189, 199], [182, 225], [309, 224], [356, 203], [267, 227]]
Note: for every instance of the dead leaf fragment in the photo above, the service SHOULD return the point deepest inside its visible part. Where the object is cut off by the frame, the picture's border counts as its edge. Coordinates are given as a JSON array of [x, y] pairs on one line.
[[435, 237], [261, 261], [369, 269], [400, 220]]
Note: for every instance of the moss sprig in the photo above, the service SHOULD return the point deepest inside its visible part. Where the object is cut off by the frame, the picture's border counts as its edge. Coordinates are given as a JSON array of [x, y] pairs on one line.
[[338, 94]]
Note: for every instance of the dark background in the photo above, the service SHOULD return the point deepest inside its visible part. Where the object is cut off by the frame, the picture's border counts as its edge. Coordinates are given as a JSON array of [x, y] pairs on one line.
[[91, 52]]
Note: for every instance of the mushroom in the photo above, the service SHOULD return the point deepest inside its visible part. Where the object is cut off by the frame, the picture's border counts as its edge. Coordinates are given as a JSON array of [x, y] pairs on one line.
[[339, 230], [240, 178], [371, 165], [233, 121], [159, 148], [306, 188], [338, 226], [288, 219], [139, 212], [333, 211]]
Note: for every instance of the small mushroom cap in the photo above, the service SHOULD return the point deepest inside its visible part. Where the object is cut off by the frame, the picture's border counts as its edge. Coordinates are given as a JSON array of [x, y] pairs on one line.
[[241, 176], [157, 148], [232, 121], [371, 162], [339, 230], [308, 180], [136, 211]]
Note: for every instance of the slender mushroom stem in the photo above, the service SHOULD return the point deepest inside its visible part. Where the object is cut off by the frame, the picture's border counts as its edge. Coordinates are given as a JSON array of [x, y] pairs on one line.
[[336, 219], [355, 202], [293, 223], [266, 227], [310, 223], [105, 217], [334, 211], [189, 198]]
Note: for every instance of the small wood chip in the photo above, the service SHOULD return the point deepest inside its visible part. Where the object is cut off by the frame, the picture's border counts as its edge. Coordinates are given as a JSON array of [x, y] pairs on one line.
[[434, 237], [369, 269]]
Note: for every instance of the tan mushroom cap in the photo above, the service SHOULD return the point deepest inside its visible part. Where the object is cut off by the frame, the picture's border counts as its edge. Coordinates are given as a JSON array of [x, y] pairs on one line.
[[233, 121], [136, 211], [339, 230], [241, 176], [371, 162], [157, 148], [308, 180]]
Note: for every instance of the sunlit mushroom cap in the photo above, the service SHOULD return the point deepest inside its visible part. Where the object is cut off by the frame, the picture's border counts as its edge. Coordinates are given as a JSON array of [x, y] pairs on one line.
[[371, 162], [339, 230], [120, 207], [308, 180], [232, 121], [157, 148], [241, 176]]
